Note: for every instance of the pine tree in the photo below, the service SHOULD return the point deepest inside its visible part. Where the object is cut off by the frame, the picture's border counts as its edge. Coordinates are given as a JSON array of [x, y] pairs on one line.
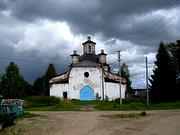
[[50, 73], [13, 84], [177, 57], [163, 80], [39, 86], [174, 50]]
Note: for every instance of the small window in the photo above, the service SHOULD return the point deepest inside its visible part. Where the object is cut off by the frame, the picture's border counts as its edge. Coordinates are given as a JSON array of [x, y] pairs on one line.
[[89, 48], [86, 74]]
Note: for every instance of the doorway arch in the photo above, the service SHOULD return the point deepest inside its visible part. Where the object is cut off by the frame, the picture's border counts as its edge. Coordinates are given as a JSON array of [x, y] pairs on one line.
[[86, 93]]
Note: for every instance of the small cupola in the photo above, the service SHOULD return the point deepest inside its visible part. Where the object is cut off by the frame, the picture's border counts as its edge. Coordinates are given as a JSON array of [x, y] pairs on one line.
[[89, 46], [75, 57], [102, 57]]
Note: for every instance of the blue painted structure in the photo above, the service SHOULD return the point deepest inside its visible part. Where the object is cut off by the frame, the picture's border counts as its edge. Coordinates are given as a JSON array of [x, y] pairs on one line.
[[17, 109], [86, 93]]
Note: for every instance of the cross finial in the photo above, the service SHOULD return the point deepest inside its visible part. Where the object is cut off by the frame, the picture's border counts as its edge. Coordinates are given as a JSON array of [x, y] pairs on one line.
[[89, 38]]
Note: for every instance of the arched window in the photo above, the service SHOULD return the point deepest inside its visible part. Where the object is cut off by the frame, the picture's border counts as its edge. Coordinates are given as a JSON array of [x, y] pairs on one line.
[[89, 48]]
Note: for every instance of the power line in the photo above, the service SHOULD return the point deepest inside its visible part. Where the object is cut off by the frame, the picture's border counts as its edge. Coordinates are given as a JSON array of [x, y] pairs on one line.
[[112, 63], [5, 4], [29, 61], [155, 26]]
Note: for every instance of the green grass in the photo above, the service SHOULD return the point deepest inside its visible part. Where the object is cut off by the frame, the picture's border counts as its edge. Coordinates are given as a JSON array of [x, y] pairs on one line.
[[38, 101], [27, 115], [54, 104], [138, 106], [63, 106], [45, 103]]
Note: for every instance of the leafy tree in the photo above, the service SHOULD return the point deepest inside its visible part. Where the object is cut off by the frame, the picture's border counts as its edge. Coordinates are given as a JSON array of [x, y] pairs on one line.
[[163, 80], [13, 84], [125, 74]]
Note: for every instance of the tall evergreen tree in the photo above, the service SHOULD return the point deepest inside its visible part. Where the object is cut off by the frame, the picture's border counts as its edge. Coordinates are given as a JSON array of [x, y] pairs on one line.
[[39, 86], [13, 84], [177, 56], [50, 73], [163, 80], [174, 50]]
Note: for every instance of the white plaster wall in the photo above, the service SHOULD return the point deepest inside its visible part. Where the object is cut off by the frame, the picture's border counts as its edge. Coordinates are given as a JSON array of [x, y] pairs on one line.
[[77, 81], [58, 89], [112, 90]]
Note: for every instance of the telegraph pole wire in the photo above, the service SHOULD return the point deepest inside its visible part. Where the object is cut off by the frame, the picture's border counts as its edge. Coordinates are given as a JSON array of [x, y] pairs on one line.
[[5, 4]]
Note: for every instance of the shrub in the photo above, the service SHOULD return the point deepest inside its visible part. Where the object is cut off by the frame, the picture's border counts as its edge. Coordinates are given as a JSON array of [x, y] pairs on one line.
[[132, 100], [97, 96], [143, 113], [36, 101]]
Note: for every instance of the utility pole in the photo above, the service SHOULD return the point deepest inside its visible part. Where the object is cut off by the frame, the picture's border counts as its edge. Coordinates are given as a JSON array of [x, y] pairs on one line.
[[147, 89], [119, 60], [102, 81]]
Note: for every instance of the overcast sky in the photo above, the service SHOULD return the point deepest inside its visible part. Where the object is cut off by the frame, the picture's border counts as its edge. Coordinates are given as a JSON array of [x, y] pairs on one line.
[[34, 33]]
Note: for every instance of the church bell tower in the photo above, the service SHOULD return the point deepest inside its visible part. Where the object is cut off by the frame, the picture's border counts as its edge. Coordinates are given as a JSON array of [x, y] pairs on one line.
[[89, 46]]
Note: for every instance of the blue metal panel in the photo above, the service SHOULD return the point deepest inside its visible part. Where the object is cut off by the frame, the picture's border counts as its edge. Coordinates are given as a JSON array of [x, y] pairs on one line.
[[17, 109], [86, 93]]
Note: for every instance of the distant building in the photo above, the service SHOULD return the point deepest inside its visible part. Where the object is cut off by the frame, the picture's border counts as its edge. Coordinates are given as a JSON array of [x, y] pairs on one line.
[[139, 92], [89, 77]]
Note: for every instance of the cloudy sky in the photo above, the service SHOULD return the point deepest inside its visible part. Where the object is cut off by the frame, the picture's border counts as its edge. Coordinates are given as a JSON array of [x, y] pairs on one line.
[[34, 33]]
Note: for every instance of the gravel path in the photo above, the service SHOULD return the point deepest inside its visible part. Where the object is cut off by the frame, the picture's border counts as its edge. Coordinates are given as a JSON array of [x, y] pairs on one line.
[[92, 123]]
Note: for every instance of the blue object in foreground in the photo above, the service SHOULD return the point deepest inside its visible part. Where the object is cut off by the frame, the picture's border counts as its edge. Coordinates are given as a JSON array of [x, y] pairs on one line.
[[17, 109], [86, 93], [7, 116]]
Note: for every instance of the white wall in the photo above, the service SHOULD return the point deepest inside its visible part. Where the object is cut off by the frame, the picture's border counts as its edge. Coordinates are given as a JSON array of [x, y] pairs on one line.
[[112, 90], [58, 89], [77, 81]]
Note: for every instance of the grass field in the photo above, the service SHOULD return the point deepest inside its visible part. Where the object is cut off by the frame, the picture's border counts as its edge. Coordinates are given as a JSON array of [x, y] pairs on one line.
[[54, 104]]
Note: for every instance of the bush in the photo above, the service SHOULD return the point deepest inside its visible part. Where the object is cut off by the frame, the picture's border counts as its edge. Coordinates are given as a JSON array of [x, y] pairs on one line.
[[143, 113], [132, 100], [37, 101]]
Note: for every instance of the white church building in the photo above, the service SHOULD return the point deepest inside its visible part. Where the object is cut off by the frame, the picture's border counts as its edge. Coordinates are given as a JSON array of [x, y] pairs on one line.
[[89, 77]]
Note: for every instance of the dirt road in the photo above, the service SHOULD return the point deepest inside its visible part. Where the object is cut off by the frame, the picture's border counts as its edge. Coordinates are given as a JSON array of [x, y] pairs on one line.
[[92, 123]]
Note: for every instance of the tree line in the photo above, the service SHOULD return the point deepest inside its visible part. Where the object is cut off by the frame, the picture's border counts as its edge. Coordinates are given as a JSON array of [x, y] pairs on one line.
[[165, 80], [13, 84]]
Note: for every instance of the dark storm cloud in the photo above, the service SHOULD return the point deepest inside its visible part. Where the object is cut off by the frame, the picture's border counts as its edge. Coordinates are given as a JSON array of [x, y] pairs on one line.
[[47, 31], [108, 17], [31, 61]]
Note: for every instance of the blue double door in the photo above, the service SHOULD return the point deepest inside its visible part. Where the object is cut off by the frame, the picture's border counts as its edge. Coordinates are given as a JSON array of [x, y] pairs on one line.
[[86, 93]]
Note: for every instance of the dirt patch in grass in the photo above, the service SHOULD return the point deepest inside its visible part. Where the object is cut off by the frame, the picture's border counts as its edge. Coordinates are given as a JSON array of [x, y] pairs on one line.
[[126, 116]]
